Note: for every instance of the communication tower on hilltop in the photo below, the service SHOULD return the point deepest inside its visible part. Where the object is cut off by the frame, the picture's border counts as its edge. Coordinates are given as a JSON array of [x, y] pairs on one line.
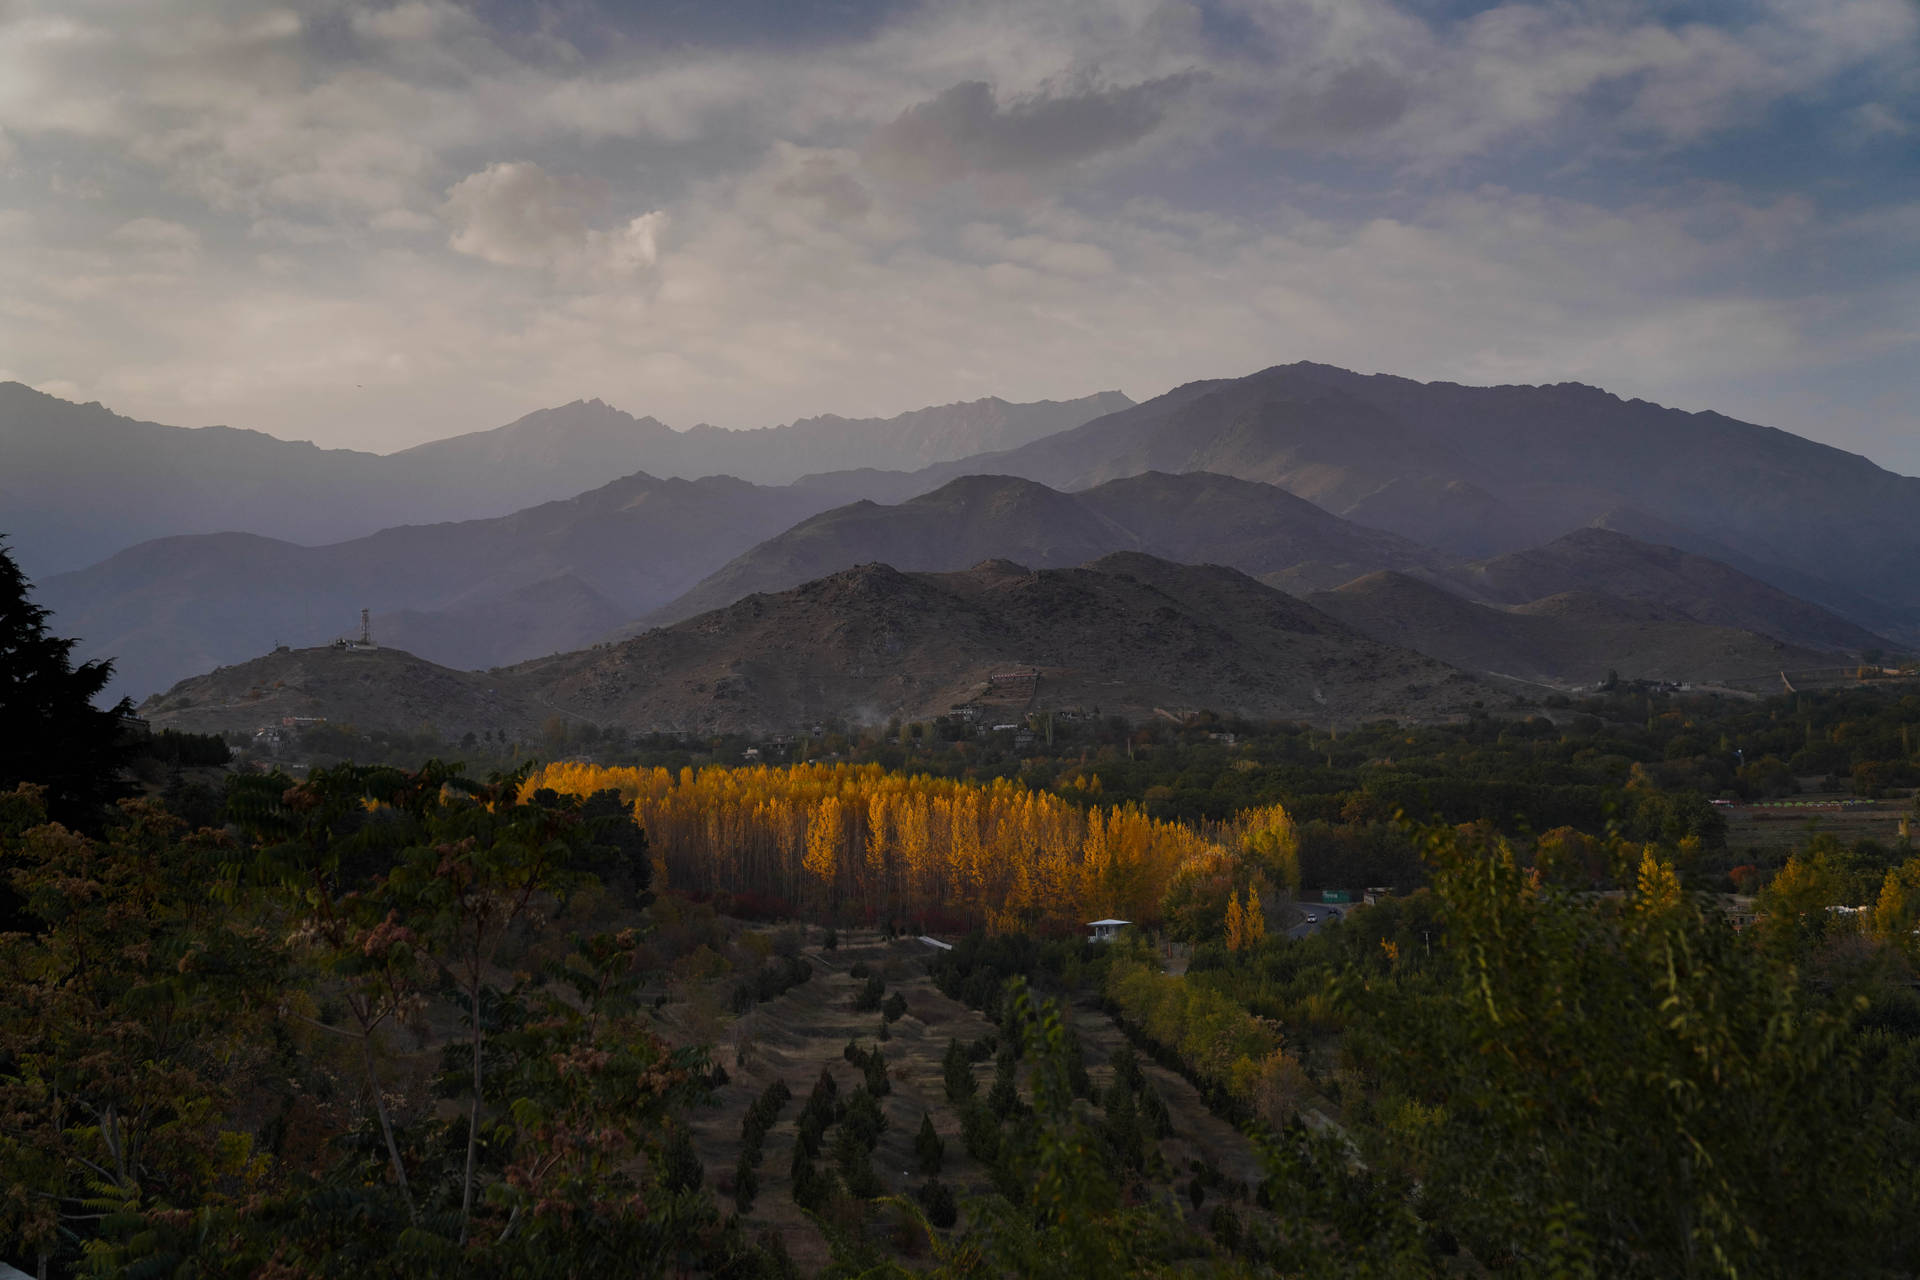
[[366, 629]]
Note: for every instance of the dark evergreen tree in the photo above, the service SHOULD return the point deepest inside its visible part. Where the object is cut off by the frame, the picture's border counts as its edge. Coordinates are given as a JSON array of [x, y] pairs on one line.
[[928, 1149], [50, 731], [958, 1072]]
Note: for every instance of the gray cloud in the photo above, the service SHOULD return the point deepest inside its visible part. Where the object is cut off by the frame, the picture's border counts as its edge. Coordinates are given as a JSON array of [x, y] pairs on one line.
[[821, 179], [965, 131], [1359, 98], [296, 220]]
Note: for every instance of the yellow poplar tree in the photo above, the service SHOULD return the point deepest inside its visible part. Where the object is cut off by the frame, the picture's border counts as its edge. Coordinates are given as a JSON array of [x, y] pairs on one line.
[[823, 840], [1253, 925], [1236, 923]]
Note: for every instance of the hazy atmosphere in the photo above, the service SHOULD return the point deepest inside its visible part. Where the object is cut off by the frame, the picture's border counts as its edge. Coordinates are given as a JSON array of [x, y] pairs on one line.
[[371, 225], [1062, 639]]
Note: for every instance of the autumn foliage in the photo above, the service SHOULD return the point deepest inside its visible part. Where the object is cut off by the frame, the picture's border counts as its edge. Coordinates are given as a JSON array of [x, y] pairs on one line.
[[856, 841]]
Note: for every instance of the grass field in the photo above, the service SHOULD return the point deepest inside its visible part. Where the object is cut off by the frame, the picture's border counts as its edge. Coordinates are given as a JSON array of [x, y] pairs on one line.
[[1775, 827]]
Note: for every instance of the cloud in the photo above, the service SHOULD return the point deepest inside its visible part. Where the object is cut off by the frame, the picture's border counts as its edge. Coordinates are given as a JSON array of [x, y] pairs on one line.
[[1358, 98], [219, 211], [401, 220], [966, 131], [825, 180], [518, 215]]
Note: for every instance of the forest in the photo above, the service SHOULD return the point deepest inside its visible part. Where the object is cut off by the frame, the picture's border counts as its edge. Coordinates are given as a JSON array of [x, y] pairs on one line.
[[676, 1016]]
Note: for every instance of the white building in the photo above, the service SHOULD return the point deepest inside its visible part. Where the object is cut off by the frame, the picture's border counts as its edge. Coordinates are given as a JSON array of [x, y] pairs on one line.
[[1106, 930]]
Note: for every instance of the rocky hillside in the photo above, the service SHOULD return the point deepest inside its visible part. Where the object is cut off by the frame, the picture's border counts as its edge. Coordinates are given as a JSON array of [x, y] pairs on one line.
[[371, 689], [1127, 634]]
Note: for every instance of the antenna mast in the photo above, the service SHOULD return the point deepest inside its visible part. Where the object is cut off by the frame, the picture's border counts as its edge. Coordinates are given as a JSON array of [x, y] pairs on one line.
[[366, 629]]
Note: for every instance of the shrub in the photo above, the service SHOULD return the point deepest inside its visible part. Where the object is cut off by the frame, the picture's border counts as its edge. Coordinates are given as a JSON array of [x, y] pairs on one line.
[[869, 998], [895, 1007]]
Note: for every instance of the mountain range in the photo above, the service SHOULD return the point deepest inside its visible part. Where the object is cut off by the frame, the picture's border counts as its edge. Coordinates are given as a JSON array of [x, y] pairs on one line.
[[1479, 471], [1572, 637], [82, 483], [1543, 533], [474, 593], [1193, 518], [1127, 634]]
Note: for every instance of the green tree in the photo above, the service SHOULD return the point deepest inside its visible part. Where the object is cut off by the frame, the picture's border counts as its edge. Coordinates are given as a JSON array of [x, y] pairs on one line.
[[1633, 1088], [131, 1029], [50, 731]]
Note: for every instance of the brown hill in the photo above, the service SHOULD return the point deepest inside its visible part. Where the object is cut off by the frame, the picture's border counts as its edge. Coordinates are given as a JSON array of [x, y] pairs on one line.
[[372, 689], [1126, 634], [1573, 638]]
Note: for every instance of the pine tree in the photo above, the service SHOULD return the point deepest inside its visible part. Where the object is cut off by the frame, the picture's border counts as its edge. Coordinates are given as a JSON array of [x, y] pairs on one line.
[[928, 1149], [50, 731]]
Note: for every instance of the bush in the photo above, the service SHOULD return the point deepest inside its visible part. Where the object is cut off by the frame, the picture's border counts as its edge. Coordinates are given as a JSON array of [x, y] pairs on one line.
[[894, 1008], [831, 942], [869, 998]]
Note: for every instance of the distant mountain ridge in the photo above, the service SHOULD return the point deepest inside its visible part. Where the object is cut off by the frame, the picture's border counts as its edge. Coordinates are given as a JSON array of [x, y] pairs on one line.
[[1605, 562], [1126, 634], [1574, 637], [475, 593], [1193, 518], [84, 483], [1480, 471], [561, 575]]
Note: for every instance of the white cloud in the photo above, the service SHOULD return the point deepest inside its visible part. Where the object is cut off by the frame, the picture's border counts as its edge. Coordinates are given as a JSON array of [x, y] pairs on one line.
[[515, 214]]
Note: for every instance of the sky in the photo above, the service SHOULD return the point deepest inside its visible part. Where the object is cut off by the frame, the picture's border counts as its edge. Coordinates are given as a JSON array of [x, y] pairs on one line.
[[374, 224]]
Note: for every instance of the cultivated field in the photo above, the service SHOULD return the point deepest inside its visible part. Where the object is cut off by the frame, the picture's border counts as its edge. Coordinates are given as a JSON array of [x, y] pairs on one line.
[[796, 1034]]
